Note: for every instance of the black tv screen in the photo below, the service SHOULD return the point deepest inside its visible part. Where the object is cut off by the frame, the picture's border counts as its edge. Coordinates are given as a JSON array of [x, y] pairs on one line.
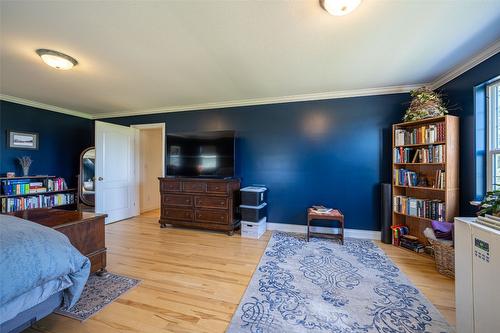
[[201, 154]]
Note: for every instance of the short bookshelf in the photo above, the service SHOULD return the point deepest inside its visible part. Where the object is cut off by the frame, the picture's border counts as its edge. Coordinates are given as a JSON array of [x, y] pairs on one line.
[[425, 166], [29, 192]]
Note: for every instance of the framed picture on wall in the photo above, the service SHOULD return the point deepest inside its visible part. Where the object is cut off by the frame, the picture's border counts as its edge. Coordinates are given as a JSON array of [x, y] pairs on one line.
[[23, 140]]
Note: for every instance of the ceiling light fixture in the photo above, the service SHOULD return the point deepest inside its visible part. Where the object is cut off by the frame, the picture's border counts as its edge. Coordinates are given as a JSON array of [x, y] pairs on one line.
[[56, 59], [339, 7]]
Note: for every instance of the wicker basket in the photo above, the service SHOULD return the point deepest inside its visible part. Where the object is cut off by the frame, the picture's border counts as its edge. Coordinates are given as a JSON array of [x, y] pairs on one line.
[[445, 258]]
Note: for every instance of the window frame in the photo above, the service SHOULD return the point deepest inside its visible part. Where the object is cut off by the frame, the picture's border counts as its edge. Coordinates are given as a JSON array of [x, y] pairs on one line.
[[492, 122]]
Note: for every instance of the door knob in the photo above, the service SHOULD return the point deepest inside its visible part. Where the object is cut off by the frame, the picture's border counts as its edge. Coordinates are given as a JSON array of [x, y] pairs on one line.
[[100, 178]]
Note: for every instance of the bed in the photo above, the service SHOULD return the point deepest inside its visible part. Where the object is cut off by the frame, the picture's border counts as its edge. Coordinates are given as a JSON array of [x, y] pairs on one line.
[[40, 271]]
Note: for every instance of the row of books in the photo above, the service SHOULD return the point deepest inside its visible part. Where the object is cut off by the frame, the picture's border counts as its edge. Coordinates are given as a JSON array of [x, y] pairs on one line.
[[39, 201], [432, 154], [423, 134], [431, 209], [405, 177], [28, 186]]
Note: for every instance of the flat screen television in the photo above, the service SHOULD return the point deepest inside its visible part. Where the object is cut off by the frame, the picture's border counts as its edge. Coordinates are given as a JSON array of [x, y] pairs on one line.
[[201, 154]]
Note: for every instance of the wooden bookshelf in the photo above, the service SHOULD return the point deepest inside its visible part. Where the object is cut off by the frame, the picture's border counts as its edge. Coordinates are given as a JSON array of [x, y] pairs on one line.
[[5, 199], [450, 165]]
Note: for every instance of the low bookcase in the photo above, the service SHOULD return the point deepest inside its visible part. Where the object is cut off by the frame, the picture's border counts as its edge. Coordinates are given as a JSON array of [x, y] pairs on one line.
[[425, 166], [23, 193]]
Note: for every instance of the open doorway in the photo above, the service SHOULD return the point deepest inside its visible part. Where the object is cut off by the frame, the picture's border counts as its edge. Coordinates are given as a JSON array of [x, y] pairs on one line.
[[150, 164]]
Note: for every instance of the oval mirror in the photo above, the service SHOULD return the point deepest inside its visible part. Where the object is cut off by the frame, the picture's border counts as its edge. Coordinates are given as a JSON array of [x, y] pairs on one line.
[[87, 180]]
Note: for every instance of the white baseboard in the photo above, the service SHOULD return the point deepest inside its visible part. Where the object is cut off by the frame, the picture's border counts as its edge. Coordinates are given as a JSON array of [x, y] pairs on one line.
[[354, 233]]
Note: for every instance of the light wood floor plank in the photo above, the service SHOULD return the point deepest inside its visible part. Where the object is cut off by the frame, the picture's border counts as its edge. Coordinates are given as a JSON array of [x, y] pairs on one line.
[[192, 281]]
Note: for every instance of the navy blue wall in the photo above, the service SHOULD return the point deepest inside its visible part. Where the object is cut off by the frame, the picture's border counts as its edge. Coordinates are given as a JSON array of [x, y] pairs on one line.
[[332, 152], [61, 140], [461, 94]]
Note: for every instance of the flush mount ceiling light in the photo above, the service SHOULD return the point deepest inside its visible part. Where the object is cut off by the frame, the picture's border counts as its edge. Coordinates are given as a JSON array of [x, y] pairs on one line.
[[56, 59], [339, 7]]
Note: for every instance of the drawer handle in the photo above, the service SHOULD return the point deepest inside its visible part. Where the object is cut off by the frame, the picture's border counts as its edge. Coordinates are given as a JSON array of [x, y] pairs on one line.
[[222, 202]]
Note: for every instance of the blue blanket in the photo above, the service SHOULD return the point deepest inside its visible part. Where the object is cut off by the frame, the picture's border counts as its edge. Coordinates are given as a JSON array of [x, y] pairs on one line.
[[35, 263]]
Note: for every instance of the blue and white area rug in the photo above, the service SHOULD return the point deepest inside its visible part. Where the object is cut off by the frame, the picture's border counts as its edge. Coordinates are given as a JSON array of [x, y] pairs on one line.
[[322, 286]]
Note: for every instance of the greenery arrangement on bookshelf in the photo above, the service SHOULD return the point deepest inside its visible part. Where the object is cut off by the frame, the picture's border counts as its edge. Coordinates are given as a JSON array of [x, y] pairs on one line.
[[425, 104], [490, 204]]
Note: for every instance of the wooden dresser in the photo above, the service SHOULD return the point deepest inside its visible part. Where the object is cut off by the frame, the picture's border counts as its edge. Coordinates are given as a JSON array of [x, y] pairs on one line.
[[84, 230], [200, 203]]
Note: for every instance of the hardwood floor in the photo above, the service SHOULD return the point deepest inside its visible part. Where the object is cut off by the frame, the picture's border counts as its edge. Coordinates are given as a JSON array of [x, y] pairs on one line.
[[192, 281]]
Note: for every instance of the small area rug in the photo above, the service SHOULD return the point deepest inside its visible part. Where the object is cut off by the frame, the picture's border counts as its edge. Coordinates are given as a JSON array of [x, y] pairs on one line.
[[322, 286], [99, 292]]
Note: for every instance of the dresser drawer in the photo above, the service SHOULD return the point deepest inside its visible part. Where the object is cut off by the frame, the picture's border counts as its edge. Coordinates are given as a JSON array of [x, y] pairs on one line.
[[212, 216], [217, 187], [194, 187], [177, 200], [178, 214], [170, 186], [211, 202]]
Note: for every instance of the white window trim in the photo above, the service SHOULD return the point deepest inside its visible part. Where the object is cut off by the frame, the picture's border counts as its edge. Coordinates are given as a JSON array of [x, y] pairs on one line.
[[490, 134]]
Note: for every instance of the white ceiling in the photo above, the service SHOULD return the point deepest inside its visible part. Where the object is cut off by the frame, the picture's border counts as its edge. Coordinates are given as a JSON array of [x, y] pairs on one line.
[[173, 55]]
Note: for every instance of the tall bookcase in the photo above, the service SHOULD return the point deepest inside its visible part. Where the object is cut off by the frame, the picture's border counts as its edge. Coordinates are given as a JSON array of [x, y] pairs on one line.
[[425, 187]]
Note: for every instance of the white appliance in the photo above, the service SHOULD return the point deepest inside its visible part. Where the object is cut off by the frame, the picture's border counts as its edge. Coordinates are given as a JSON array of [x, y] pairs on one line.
[[477, 277]]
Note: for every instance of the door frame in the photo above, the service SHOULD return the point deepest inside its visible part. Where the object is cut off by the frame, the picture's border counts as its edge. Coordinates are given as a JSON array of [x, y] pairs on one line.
[[138, 158]]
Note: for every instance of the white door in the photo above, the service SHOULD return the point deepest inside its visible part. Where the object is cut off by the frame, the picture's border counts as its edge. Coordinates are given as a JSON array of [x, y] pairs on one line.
[[114, 171]]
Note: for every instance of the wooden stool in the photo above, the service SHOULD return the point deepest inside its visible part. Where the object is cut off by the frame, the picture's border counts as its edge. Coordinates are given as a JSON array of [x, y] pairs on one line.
[[333, 215]]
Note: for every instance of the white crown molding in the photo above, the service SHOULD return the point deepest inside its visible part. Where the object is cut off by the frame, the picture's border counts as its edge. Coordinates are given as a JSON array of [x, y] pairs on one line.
[[351, 233], [269, 100], [44, 106], [459, 70]]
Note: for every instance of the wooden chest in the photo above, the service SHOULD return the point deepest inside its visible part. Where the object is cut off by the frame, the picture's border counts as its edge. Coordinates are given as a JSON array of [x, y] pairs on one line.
[[200, 203], [84, 230]]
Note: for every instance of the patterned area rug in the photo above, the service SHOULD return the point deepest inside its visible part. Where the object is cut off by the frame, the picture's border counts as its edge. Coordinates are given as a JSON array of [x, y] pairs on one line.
[[99, 292], [322, 286]]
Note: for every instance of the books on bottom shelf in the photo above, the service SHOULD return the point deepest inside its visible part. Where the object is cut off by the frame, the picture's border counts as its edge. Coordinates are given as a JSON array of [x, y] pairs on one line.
[[411, 243], [39, 201], [430, 209]]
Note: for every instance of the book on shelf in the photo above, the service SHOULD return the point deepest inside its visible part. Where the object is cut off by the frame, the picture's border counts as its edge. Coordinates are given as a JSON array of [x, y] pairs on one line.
[[28, 186], [432, 154], [38, 201], [440, 179], [420, 135], [426, 208]]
